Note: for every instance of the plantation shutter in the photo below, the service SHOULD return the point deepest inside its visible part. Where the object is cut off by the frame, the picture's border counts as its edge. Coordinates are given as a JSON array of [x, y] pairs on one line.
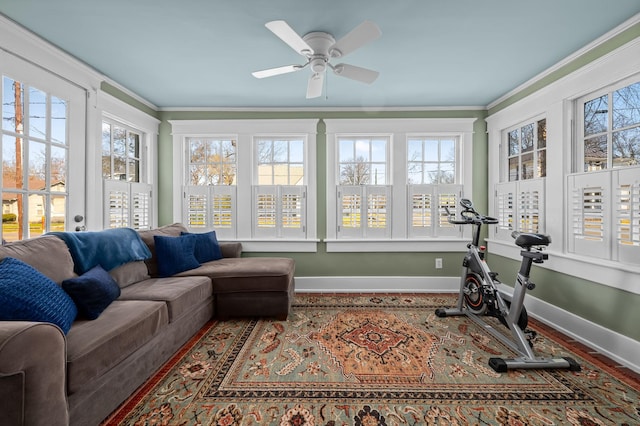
[[116, 207], [211, 208], [421, 221], [627, 215], [223, 210], [590, 202], [350, 211], [279, 211], [530, 211], [365, 211], [519, 207], [505, 209], [447, 196], [293, 211], [140, 206], [128, 204], [196, 208]]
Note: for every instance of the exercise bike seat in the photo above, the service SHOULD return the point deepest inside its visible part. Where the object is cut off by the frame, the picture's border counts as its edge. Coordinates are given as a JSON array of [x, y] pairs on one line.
[[528, 240]]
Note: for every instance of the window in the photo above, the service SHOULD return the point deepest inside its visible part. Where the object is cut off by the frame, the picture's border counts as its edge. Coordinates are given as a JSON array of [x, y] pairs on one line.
[[42, 125], [210, 189], [605, 194], [519, 197], [431, 160], [431, 179], [527, 151], [390, 181], [611, 135], [362, 192], [127, 198], [248, 180], [125, 158], [280, 192], [120, 152]]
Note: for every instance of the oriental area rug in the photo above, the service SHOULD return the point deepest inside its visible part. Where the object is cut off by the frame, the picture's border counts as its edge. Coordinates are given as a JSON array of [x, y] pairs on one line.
[[373, 360]]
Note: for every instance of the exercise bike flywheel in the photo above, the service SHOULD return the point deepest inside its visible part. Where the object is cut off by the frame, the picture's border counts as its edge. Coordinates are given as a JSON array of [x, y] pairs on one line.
[[477, 303]]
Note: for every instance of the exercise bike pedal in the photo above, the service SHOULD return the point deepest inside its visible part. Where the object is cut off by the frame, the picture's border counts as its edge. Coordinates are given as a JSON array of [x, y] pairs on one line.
[[530, 335]]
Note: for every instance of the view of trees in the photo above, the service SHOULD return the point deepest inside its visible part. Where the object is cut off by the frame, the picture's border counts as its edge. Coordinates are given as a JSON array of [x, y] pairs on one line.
[[212, 162], [623, 138]]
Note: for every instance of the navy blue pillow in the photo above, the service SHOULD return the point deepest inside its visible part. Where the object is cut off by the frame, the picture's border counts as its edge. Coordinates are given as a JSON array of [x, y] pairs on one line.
[[175, 254], [207, 247], [28, 295], [92, 291]]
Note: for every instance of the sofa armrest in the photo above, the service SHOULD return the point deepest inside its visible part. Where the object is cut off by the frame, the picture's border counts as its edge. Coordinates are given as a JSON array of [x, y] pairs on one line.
[[33, 374], [231, 249]]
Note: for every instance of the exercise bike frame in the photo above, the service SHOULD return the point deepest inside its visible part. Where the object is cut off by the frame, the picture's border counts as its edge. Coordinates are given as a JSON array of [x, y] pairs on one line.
[[508, 302]]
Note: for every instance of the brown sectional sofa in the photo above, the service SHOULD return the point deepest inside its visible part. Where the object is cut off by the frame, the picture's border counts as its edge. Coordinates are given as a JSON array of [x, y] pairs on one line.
[[49, 378]]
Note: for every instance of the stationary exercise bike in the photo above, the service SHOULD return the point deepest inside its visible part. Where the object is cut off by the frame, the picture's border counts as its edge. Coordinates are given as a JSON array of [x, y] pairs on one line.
[[482, 294]]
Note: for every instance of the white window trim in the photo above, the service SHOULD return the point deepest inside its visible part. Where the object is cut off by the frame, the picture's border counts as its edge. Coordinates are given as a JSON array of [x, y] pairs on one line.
[[115, 110], [244, 131], [555, 101], [399, 130]]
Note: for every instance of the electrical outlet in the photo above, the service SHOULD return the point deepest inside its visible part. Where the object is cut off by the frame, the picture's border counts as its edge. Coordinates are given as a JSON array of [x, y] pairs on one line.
[[438, 263]]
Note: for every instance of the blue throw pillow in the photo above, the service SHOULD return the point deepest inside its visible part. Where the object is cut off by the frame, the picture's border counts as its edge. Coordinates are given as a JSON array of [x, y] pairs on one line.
[[175, 254], [92, 291], [207, 247], [28, 295]]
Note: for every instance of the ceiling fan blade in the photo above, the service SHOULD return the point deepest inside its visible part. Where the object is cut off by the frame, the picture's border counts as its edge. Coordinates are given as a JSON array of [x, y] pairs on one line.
[[289, 36], [314, 88], [358, 37], [356, 73], [276, 71]]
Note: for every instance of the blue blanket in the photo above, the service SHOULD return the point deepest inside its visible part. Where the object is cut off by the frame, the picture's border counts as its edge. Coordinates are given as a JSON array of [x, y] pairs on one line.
[[109, 248]]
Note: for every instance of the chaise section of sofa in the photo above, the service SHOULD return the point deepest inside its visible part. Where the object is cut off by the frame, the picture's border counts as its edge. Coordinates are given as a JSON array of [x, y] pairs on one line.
[[242, 286]]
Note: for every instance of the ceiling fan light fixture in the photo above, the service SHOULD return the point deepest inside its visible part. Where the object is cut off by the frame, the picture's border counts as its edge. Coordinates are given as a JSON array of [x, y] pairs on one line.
[[318, 65]]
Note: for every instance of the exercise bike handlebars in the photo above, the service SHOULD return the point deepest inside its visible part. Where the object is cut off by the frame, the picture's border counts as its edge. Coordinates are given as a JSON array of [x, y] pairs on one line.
[[469, 215]]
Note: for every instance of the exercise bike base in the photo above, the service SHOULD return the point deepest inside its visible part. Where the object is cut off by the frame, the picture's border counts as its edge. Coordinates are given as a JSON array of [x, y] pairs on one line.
[[501, 365]]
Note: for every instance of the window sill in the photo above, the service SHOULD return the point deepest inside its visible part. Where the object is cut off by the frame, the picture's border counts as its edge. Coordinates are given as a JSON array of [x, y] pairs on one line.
[[613, 274], [279, 245], [405, 245]]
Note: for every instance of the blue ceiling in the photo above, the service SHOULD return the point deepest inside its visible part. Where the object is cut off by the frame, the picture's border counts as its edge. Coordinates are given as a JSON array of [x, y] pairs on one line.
[[432, 53]]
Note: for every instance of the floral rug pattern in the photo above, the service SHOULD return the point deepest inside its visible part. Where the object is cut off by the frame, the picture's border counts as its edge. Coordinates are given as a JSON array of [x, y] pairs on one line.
[[372, 360]]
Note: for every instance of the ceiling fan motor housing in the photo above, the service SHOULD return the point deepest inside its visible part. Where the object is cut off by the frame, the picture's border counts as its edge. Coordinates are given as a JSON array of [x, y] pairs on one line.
[[320, 42]]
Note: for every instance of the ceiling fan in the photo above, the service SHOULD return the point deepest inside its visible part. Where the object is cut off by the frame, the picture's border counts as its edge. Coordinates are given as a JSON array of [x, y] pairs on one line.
[[319, 48]]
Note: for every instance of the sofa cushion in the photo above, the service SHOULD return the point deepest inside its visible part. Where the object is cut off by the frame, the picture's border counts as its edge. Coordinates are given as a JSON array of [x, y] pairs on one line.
[[173, 230], [207, 248], [130, 273], [28, 295], [175, 254], [94, 347], [247, 274], [92, 291], [180, 294], [48, 254]]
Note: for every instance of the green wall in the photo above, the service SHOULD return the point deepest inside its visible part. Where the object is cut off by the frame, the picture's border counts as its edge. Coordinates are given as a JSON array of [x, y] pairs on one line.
[[322, 263]]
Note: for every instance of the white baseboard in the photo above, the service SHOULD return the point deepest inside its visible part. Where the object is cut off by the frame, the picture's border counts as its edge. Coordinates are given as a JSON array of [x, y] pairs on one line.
[[616, 346], [377, 284]]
